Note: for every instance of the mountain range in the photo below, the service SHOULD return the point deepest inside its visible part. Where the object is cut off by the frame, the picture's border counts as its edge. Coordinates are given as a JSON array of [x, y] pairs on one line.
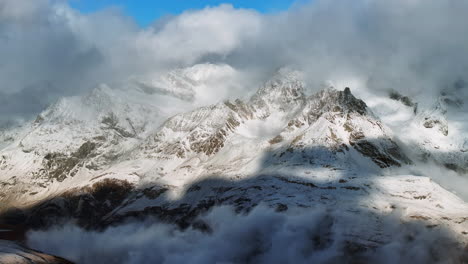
[[118, 154]]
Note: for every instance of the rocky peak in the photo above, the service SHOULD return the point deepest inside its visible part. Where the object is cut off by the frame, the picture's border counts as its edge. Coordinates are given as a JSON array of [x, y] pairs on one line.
[[283, 92], [331, 100]]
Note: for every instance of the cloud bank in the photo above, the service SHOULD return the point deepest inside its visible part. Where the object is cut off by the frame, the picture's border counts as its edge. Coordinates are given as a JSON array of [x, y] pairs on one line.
[[50, 50], [262, 236]]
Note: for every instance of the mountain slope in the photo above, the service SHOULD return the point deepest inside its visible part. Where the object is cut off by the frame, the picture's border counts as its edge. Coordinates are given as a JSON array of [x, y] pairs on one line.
[[11, 253], [108, 157]]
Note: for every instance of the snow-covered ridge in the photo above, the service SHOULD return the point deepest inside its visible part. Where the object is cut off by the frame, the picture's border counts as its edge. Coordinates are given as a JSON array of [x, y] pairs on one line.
[[114, 154], [118, 129]]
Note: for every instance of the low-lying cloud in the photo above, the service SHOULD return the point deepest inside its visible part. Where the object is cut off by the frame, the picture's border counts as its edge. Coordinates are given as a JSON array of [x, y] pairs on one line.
[[262, 236]]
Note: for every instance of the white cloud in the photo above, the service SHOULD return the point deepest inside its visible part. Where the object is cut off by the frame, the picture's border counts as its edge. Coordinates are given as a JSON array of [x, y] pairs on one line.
[[49, 49], [313, 235], [193, 34]]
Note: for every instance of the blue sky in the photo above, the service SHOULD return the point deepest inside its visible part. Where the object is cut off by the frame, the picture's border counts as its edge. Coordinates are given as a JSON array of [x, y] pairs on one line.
[[146, 11]]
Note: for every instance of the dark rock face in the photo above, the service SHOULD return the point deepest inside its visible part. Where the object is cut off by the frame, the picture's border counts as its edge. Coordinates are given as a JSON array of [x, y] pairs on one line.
[[276, 140], [111, 122], [13, 216], [403, 99], [215, 142], [456, 168], [87, 205], [333, 101], [431, 123], [384, 158], [12, 233], [59, 166]]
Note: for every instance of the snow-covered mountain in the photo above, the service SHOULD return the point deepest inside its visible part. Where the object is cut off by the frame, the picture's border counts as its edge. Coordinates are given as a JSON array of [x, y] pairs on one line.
[[116, 154]]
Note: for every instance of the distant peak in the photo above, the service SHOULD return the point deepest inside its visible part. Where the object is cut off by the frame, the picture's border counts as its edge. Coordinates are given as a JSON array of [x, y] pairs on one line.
[[100, 97], [288, 74], [285, 89], [284, 79]]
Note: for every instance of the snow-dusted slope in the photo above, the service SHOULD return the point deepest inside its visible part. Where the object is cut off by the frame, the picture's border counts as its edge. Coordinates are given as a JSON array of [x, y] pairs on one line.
[[329, 128], [75, 136], [433, 132], [109, 155]]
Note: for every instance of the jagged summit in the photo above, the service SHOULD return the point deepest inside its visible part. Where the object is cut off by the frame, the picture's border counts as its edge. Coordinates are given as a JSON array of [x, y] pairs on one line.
[[332, 100], [279, 107], [281, 148], [281, 93]]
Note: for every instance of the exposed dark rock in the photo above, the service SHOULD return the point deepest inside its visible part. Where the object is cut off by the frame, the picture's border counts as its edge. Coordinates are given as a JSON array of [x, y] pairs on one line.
[[194, 188], [332, 100], [276, 140], [384, 158], [85, 150], [352, 188], [13, 216], [431, 123], [403, 99], [154, 192], [59, 166], [112, 122], [87, 205], [308, 184], [281, 207], [456, 168]]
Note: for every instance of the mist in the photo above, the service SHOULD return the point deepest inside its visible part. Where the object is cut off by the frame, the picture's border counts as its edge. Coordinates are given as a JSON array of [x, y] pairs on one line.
[[50, 50], [300, 235], [448, 179]]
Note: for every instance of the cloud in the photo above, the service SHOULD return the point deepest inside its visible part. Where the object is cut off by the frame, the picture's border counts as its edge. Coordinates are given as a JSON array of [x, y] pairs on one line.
[[448, 179], [412, 46], [195, 34], [263, 236], [42, 58], [50, 50]]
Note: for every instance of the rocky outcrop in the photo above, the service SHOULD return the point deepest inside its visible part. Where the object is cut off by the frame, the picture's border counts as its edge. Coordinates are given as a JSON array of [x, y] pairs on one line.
[[59, 166], [283, 93], [86, 205]]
